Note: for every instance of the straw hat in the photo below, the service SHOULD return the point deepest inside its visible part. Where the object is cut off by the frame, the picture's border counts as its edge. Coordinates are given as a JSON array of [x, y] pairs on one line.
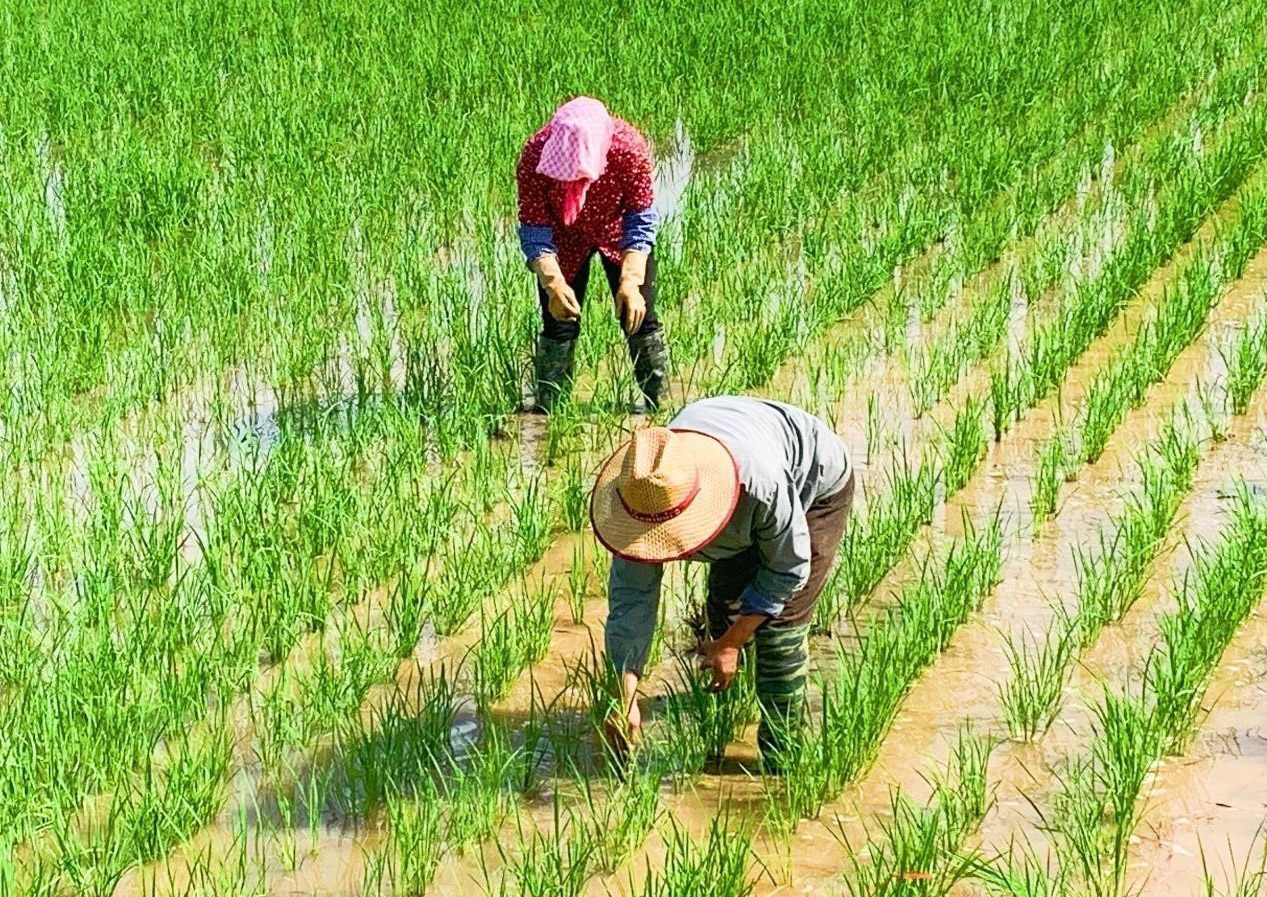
[[664, 494]]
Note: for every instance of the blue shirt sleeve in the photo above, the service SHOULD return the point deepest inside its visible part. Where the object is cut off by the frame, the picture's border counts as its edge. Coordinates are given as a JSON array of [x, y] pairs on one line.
[[633, 606], [638, 230], [536, 240], [781, 534]]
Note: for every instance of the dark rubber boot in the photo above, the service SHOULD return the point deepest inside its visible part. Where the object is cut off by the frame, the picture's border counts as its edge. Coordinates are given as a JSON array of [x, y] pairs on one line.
[[553, 363], [650, 358]]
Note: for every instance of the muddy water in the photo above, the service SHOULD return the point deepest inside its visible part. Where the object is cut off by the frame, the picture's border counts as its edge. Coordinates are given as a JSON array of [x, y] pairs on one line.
[[674, 165], [1119, 654], [962, 685], [965, 679], [1214, 799], [1045, 568], [573, 643]]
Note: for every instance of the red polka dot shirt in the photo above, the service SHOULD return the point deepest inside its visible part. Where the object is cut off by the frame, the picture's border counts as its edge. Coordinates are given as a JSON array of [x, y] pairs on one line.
[[617, 214]]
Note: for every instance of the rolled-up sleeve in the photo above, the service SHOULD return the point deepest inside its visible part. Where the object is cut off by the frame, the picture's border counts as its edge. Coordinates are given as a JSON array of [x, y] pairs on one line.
[[536, 240], [781, 534], [638, 230], [632, 613], [639, 220]]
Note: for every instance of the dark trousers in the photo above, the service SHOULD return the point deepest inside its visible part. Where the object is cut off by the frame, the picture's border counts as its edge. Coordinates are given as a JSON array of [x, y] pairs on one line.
[[563, 331], [782, 644]]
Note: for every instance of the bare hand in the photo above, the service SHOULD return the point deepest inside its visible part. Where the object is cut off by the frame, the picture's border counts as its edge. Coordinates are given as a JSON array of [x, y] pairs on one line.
[[631, 307], [562, 301], [623, 732], [723, 661]]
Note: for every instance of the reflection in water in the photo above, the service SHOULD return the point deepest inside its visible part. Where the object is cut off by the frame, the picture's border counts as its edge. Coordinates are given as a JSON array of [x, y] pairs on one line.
[[673, 174], [1018, 308], [54, 185]]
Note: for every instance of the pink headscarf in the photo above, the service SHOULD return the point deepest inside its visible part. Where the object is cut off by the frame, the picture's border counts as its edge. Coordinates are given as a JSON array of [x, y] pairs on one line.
[[575, 152]]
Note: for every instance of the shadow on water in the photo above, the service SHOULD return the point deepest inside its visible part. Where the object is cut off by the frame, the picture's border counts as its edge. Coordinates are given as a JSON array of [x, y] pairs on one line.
[[423, 746]]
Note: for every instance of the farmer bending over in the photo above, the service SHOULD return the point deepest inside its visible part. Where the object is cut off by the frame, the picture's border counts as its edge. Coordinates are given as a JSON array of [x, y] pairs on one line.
[[759, 491], [585, 190]]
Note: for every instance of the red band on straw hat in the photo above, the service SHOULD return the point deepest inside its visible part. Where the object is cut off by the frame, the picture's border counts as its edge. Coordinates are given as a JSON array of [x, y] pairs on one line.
[[660, 516]]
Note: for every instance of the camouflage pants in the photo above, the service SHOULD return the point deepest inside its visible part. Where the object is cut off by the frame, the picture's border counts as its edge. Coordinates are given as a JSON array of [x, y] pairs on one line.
[[781, 645], [782, 658]]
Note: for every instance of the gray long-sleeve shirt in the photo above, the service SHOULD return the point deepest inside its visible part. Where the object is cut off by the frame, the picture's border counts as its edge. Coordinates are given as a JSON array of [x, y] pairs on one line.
[[788, 460]]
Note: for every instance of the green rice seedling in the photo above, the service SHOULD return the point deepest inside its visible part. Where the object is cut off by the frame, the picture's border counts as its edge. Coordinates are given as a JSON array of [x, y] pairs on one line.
[[655, 651], [1105, 407], [873, 544], [601, 684], [407, 740], [965, 446], [917, 857], [1095, 810], [716, 868], [1097, 301], [800, 791], [513, 640], [874, 425], [1179, 318], [146, 817], [1101, 599], [1245, 881], [1077, 826], [415, 837], [867, 689], [1180, 451], [698, 722], [919, 850], [1111, 580], [532, 523], [280, 284], [578, 584], [1054, 458], [1031, 697], [622, 821], [1126, 744], [409, 597], [966, 803], [1224, 585], [207, 876], [1246, 361], [1006, 387], [377, 875], [968, 341], [1023, 875], [564, 425], [1213, 410], [476, 792], [555, 863], [574, 496], [462, 584]]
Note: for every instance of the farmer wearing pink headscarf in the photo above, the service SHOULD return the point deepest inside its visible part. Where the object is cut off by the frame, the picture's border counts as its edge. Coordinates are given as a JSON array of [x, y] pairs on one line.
[[584, 190]]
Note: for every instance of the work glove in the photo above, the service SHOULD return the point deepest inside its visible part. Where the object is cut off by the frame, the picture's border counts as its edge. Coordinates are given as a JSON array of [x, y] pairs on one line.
[[631, 305], [560, 298]]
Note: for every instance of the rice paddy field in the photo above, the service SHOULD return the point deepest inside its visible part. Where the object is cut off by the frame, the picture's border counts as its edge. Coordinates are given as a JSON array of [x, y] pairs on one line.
[[293, 601]]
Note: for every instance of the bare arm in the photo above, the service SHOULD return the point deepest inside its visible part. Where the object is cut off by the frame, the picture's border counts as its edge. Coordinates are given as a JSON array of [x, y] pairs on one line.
[[722, 655]]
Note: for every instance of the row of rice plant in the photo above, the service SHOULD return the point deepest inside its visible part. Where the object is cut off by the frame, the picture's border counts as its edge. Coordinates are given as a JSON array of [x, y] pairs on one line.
[[1110, 579], [1095, 810], [288, 593]]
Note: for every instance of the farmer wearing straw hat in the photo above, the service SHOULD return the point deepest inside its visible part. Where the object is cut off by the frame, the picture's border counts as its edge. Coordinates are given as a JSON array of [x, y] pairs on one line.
[[760, 491], [584, 190]]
